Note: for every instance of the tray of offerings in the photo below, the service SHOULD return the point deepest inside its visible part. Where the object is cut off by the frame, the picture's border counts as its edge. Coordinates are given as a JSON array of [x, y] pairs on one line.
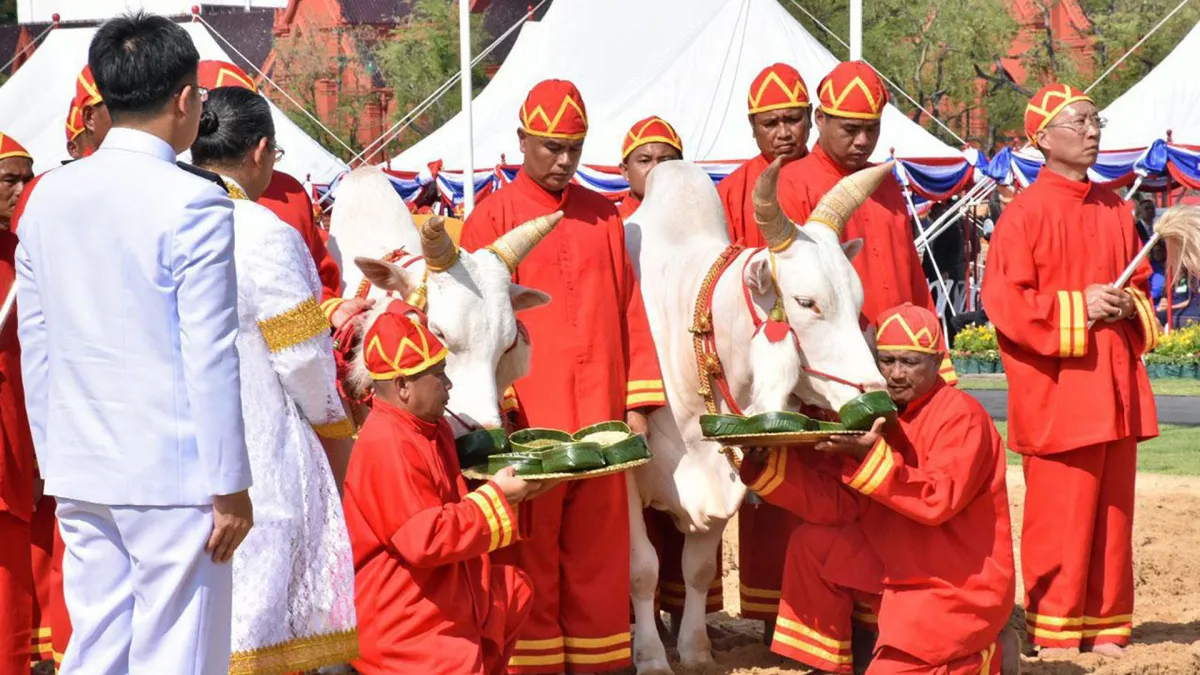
[[550, 454], [783, 428]]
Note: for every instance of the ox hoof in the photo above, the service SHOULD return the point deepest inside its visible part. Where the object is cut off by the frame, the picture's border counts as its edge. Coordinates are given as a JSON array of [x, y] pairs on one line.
[[654, 667], [696, 660]]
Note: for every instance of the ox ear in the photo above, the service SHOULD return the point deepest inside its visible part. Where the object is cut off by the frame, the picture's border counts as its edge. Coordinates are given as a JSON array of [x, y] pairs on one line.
[[524, 298], [852, 248], [758, 276], [388, 276]]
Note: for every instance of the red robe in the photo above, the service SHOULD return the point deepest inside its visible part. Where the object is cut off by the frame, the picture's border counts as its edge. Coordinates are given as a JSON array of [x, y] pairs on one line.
[[934, 540], [628, 206], [287, 198], [594, 360], [735, 191], [1078, 386], [16, 487], [428, 598], [1085, 402]]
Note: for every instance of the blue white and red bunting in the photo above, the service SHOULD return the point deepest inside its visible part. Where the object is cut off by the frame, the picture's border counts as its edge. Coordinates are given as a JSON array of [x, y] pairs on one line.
[[929, 180]]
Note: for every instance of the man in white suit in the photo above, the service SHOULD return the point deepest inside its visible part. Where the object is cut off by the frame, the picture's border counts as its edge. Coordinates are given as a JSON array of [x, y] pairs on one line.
[[127, 306]]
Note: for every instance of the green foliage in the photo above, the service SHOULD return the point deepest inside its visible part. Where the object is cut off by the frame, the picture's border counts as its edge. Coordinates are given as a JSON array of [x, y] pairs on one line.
[[1119, 24], [420, 55], [8, 11], [977, 342], [1179, 346], [945, 55]]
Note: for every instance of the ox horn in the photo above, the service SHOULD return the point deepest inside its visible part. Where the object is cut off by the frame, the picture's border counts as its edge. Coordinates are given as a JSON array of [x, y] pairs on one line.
[[836, 207], [512, 246], [436, 245], [776, 229]]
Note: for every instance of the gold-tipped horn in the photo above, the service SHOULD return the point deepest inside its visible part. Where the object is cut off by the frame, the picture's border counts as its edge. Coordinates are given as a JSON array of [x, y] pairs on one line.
[[436, 245], [776, 229], [836, 207], [512, 246]]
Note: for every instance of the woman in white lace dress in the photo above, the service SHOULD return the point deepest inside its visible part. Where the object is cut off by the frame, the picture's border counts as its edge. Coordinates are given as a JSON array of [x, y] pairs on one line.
[[293, 578]]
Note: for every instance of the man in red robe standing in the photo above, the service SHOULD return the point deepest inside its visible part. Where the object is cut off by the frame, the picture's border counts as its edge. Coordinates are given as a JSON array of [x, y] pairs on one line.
[[1085, 398], [648, 143], [288, 199], [917, 515], [18, 495], [594, 362], [428, 598], [780, 120]]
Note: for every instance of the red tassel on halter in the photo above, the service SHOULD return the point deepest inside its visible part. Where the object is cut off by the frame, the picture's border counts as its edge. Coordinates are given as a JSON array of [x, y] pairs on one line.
[[776, 327]]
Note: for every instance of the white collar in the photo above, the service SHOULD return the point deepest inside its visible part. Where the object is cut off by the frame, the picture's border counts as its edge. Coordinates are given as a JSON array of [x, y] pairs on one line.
[[133, 140]]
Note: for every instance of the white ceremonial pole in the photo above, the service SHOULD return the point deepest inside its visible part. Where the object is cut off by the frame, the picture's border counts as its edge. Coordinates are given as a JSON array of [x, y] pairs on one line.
[[855, 30], [464, 60], [8, 304]]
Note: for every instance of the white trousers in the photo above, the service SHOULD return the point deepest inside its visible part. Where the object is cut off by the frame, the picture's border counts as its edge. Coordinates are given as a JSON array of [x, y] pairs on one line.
[[143, 596]]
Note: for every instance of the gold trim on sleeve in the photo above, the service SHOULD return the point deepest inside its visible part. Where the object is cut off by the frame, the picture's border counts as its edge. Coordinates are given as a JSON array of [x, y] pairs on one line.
[[295, 326]]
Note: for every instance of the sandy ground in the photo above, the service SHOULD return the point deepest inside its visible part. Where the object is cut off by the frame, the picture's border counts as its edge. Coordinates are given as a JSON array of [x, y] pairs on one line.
[[1166, 630]]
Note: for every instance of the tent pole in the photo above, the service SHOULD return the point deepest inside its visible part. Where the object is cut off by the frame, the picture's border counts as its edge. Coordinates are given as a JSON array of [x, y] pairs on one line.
[[855, 30], [464, 56]]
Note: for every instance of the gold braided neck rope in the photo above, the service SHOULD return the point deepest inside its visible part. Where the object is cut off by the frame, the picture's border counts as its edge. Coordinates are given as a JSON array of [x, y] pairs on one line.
[[708, 364]]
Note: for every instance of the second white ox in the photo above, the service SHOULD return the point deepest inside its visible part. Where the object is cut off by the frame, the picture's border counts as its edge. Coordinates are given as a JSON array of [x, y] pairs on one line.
[[674, 239]]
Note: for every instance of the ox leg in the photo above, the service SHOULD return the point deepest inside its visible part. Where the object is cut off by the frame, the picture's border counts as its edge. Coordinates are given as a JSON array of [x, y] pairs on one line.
[[699, 570], [649, 654]]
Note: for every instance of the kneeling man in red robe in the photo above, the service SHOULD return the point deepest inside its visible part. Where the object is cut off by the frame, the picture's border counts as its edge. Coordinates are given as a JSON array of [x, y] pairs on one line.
[[428, 599], [934, 527]]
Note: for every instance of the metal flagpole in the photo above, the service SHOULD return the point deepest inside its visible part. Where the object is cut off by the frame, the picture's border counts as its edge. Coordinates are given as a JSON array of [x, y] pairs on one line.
[[855, 30], [464, 57]]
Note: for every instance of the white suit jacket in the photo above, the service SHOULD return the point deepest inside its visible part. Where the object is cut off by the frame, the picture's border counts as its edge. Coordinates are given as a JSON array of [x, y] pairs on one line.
[[127, 308]]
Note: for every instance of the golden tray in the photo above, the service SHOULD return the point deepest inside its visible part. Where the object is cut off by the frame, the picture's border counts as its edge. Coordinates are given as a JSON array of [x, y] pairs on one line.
[[781, 439]]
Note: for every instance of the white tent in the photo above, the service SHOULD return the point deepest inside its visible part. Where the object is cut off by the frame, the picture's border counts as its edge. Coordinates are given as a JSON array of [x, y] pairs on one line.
[[34, 11], [1166, 99], [34, 102], [689, 61]]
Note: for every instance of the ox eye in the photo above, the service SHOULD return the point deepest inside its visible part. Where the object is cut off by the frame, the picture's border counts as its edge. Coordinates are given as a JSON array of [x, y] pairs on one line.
[[808, 303]]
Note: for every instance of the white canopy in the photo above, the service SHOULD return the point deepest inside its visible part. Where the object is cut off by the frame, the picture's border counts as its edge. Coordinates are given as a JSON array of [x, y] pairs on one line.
[[1166, 99], [43, 11], [34, 102], [688, 61]]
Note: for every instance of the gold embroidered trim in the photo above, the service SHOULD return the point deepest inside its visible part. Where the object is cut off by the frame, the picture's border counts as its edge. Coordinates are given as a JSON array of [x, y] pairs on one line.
[[299, 324], [343, 428], [301, 654]]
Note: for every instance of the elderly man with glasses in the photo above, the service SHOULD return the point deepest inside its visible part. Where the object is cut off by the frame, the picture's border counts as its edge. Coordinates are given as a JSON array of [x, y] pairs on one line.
[[1071, 344]]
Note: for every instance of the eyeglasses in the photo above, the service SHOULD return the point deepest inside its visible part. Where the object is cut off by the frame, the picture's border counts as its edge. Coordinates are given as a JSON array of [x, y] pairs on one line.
[[1081, 124], [279, 152]]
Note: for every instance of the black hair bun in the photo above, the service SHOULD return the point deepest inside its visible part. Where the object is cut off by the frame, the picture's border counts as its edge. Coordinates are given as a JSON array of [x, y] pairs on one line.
[[209, 122]]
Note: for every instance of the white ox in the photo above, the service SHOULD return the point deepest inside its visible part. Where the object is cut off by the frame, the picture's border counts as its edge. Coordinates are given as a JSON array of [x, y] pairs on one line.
[[369, 220], [469, 298], [674, 238]]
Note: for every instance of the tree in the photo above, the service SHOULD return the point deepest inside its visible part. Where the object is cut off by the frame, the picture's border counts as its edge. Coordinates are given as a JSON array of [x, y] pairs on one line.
[[302, 62], [1118, 25], [419, 56], [933, 54]]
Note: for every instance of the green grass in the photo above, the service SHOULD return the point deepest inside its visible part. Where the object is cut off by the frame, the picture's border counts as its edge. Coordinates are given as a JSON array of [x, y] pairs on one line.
[[1161, 387], [1176, 452]]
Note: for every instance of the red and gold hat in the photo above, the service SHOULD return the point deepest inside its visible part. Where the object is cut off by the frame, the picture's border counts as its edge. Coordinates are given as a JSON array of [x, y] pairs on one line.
[[908, 328], [653, 129], [10, 148], [853, 89], [74, 121], [86, 91], [217, 74], [777, 86], [398, 344], [554, 109], [1047, 103]]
